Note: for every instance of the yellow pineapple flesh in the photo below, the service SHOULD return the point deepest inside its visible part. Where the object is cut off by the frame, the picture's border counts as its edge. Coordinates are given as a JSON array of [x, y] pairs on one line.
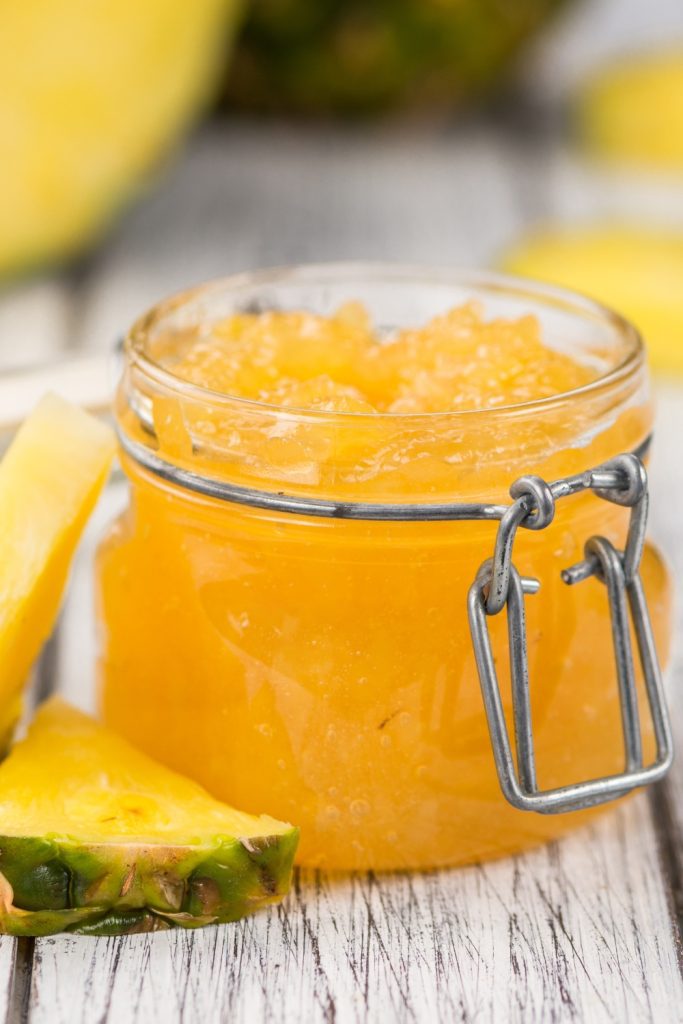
[[50, 478], [96, 837]]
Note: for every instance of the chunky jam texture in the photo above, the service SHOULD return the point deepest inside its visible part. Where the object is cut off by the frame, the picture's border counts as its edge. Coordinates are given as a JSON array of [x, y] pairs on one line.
[[307, 372], [456, 362], [322, 669]]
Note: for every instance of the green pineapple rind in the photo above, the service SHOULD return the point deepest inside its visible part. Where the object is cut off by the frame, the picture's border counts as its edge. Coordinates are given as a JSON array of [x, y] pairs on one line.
[[358, 57], [56, 884]]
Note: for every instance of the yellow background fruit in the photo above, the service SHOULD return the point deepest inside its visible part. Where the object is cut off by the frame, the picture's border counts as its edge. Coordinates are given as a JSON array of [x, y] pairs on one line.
[[638, 272], [50, 478], [633, 111], [92, 94]]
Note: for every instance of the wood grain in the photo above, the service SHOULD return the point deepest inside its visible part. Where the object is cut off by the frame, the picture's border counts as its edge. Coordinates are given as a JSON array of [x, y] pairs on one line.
[[666, 477], [575, 931], [10, 998], [35, 321]]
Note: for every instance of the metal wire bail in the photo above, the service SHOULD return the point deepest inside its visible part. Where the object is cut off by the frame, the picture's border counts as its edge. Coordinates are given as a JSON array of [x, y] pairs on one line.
[[498, 585]]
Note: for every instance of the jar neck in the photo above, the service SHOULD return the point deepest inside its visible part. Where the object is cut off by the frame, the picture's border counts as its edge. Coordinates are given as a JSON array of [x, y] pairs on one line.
[[193, 436]]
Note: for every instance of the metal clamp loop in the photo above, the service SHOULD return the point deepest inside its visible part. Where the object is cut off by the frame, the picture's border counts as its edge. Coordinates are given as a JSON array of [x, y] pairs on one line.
[[622, 481], [629, 490], [632, 480], [498, 587], [538, 499], [534, 509]]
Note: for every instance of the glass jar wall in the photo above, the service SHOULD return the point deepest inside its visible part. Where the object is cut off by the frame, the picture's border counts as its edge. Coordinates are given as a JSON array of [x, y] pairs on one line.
[[321, 669]]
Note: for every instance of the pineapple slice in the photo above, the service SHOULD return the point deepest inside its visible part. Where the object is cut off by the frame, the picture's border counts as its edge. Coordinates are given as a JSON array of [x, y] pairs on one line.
[[97, 838], [634, 270], [50, 478]]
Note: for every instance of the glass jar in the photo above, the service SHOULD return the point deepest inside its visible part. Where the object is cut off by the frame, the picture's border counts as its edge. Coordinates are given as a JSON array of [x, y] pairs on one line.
[[321, 668]]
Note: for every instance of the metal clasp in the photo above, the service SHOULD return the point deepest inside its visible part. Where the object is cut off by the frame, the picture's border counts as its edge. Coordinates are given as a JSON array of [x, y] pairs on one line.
[[499, 585]]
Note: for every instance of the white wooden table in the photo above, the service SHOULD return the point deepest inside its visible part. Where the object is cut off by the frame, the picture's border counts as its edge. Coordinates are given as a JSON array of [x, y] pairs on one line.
[[587, 929]]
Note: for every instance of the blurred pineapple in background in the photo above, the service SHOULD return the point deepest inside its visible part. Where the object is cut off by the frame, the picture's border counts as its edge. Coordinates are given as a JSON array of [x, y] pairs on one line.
[[92, 94], [633, 111], [630, 115], [635, 270], [360, 56]]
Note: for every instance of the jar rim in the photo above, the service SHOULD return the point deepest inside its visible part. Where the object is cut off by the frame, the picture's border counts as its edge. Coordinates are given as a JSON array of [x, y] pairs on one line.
[[405, 274]]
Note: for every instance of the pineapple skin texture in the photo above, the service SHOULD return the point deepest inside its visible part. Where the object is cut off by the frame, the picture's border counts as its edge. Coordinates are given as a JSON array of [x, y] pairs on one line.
[[93, 93], [58, 885], [362, 56]]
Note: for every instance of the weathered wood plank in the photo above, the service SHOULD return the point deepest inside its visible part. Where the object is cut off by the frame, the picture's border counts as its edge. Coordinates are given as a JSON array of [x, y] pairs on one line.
[[576, 931], [667, 490], [35, 322], [8, 948], [248, 196]]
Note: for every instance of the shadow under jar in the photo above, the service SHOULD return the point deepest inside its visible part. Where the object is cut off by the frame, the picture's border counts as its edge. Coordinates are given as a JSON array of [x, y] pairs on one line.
[[321, 668]]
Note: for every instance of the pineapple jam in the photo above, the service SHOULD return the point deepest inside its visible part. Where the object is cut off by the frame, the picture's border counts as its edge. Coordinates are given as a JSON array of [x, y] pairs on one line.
[[321, 669]]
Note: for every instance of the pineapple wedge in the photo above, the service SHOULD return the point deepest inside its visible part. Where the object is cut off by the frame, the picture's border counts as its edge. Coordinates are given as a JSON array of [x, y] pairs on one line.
[[99, 839], [50, 478]]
